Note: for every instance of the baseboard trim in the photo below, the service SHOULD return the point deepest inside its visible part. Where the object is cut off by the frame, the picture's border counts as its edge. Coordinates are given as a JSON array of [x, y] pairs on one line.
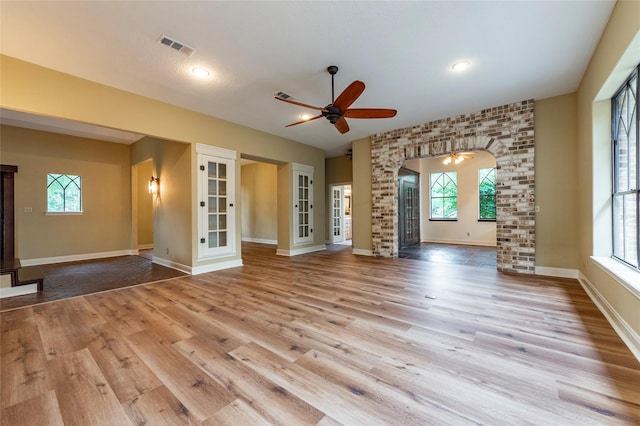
[[145, 246], [18, 290], [216, 266], [77, 257], [299, 251], [173, 265], [362, 252], [557, 272], [259, 240], [626, 333]]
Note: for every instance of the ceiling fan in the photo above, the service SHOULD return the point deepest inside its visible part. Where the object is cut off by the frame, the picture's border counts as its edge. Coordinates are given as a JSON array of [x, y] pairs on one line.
[[338, 110], [457, 158]]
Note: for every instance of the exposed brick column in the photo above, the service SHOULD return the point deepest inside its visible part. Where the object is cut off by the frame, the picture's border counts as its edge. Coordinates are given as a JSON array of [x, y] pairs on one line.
[[507, 133]]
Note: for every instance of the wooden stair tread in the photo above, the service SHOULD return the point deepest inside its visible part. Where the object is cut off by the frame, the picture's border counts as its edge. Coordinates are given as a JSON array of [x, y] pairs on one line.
[[31, 275]]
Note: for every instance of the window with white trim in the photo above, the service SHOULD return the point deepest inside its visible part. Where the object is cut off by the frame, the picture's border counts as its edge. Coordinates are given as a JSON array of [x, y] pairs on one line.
[[444, 196]]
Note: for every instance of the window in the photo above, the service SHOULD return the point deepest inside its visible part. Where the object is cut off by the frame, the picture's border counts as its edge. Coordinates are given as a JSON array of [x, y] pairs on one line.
[[64, 193], [626, 182], [487, 191], [444, 196]]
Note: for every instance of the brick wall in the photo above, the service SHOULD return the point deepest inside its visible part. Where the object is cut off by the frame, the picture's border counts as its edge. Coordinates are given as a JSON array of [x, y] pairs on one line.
[[507, 133]]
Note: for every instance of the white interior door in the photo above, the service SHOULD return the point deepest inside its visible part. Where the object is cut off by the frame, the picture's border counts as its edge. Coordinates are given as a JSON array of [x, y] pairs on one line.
[[337, 214]]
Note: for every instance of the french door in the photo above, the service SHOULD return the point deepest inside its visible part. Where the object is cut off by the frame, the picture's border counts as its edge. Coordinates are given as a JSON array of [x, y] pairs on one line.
[[408, 207], [337, 214], [216, 216]]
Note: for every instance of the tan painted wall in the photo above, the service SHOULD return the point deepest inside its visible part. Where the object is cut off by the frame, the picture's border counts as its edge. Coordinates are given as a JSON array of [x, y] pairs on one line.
[[144, 203], [361, 194], [64, 96], [480, 233], [259, 201], [172, 207], [557, 236], [617, 53], [105, 169]]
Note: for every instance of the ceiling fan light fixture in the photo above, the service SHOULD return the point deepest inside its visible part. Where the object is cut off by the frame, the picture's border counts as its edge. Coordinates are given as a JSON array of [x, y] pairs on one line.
[[305, 116], [460, 66]]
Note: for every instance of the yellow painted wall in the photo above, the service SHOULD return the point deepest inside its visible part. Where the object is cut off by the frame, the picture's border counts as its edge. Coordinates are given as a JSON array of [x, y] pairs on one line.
[[361, 197], [557, 186], [34, 89], [259, 202], [105, 169], [617, 53], [144, 203]]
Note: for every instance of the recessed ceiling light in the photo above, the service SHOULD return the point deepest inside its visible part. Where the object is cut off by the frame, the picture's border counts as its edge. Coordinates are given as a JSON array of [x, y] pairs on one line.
[[461, 66], [200, 72]]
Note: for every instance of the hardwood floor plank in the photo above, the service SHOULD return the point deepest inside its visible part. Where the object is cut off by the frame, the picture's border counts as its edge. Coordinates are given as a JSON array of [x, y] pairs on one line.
[[128, 376], [202, 396], [41, 410], [237, 413], [23, 369], [268, 400], [66, 327], [84, 394], [158, 407]]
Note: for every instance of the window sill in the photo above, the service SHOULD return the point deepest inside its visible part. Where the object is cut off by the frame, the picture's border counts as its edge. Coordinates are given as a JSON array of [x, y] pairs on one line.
[[627, 276], [486, 220], [443, 220], [63, 213]]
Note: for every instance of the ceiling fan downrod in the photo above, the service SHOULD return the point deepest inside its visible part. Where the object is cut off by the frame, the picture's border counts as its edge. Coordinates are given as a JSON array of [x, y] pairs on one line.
[[332, 69]]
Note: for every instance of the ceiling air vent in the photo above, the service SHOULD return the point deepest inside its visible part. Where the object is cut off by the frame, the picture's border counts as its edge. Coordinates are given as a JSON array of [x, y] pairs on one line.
[[283, 95], [176, 45]]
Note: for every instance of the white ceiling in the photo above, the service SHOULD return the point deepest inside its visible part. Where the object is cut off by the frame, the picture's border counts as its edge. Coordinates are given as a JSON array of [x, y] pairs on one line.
[[403, 51]]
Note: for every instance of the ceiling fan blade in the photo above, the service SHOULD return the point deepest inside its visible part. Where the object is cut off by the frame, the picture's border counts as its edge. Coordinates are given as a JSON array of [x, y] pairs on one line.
[[342, 125], [370, 113], [289, 101], [304, 121], [349, 95]]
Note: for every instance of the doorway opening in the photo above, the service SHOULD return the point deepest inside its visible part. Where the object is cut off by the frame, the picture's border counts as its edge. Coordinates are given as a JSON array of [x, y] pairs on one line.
[[341, 218]]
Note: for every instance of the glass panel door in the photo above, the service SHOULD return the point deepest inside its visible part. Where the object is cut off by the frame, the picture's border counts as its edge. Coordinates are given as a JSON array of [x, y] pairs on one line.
[[216, 199], [337, 214], [303, 204]]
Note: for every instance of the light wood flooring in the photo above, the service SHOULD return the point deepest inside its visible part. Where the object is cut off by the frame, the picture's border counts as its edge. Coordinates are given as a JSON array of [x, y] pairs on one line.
[[325, 338]]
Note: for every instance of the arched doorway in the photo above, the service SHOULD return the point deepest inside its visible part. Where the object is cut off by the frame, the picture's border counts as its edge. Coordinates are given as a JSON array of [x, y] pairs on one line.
[[507, 133]]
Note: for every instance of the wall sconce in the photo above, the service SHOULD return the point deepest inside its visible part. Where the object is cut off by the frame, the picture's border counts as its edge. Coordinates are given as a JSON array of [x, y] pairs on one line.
[[154, 185]]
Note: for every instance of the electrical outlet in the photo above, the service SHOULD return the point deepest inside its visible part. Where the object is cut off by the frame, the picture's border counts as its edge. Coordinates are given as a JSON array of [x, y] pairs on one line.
[[537, 209]]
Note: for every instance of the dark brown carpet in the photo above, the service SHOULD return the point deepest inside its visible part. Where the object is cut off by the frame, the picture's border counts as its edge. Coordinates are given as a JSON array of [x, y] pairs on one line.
[[71, 279]]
